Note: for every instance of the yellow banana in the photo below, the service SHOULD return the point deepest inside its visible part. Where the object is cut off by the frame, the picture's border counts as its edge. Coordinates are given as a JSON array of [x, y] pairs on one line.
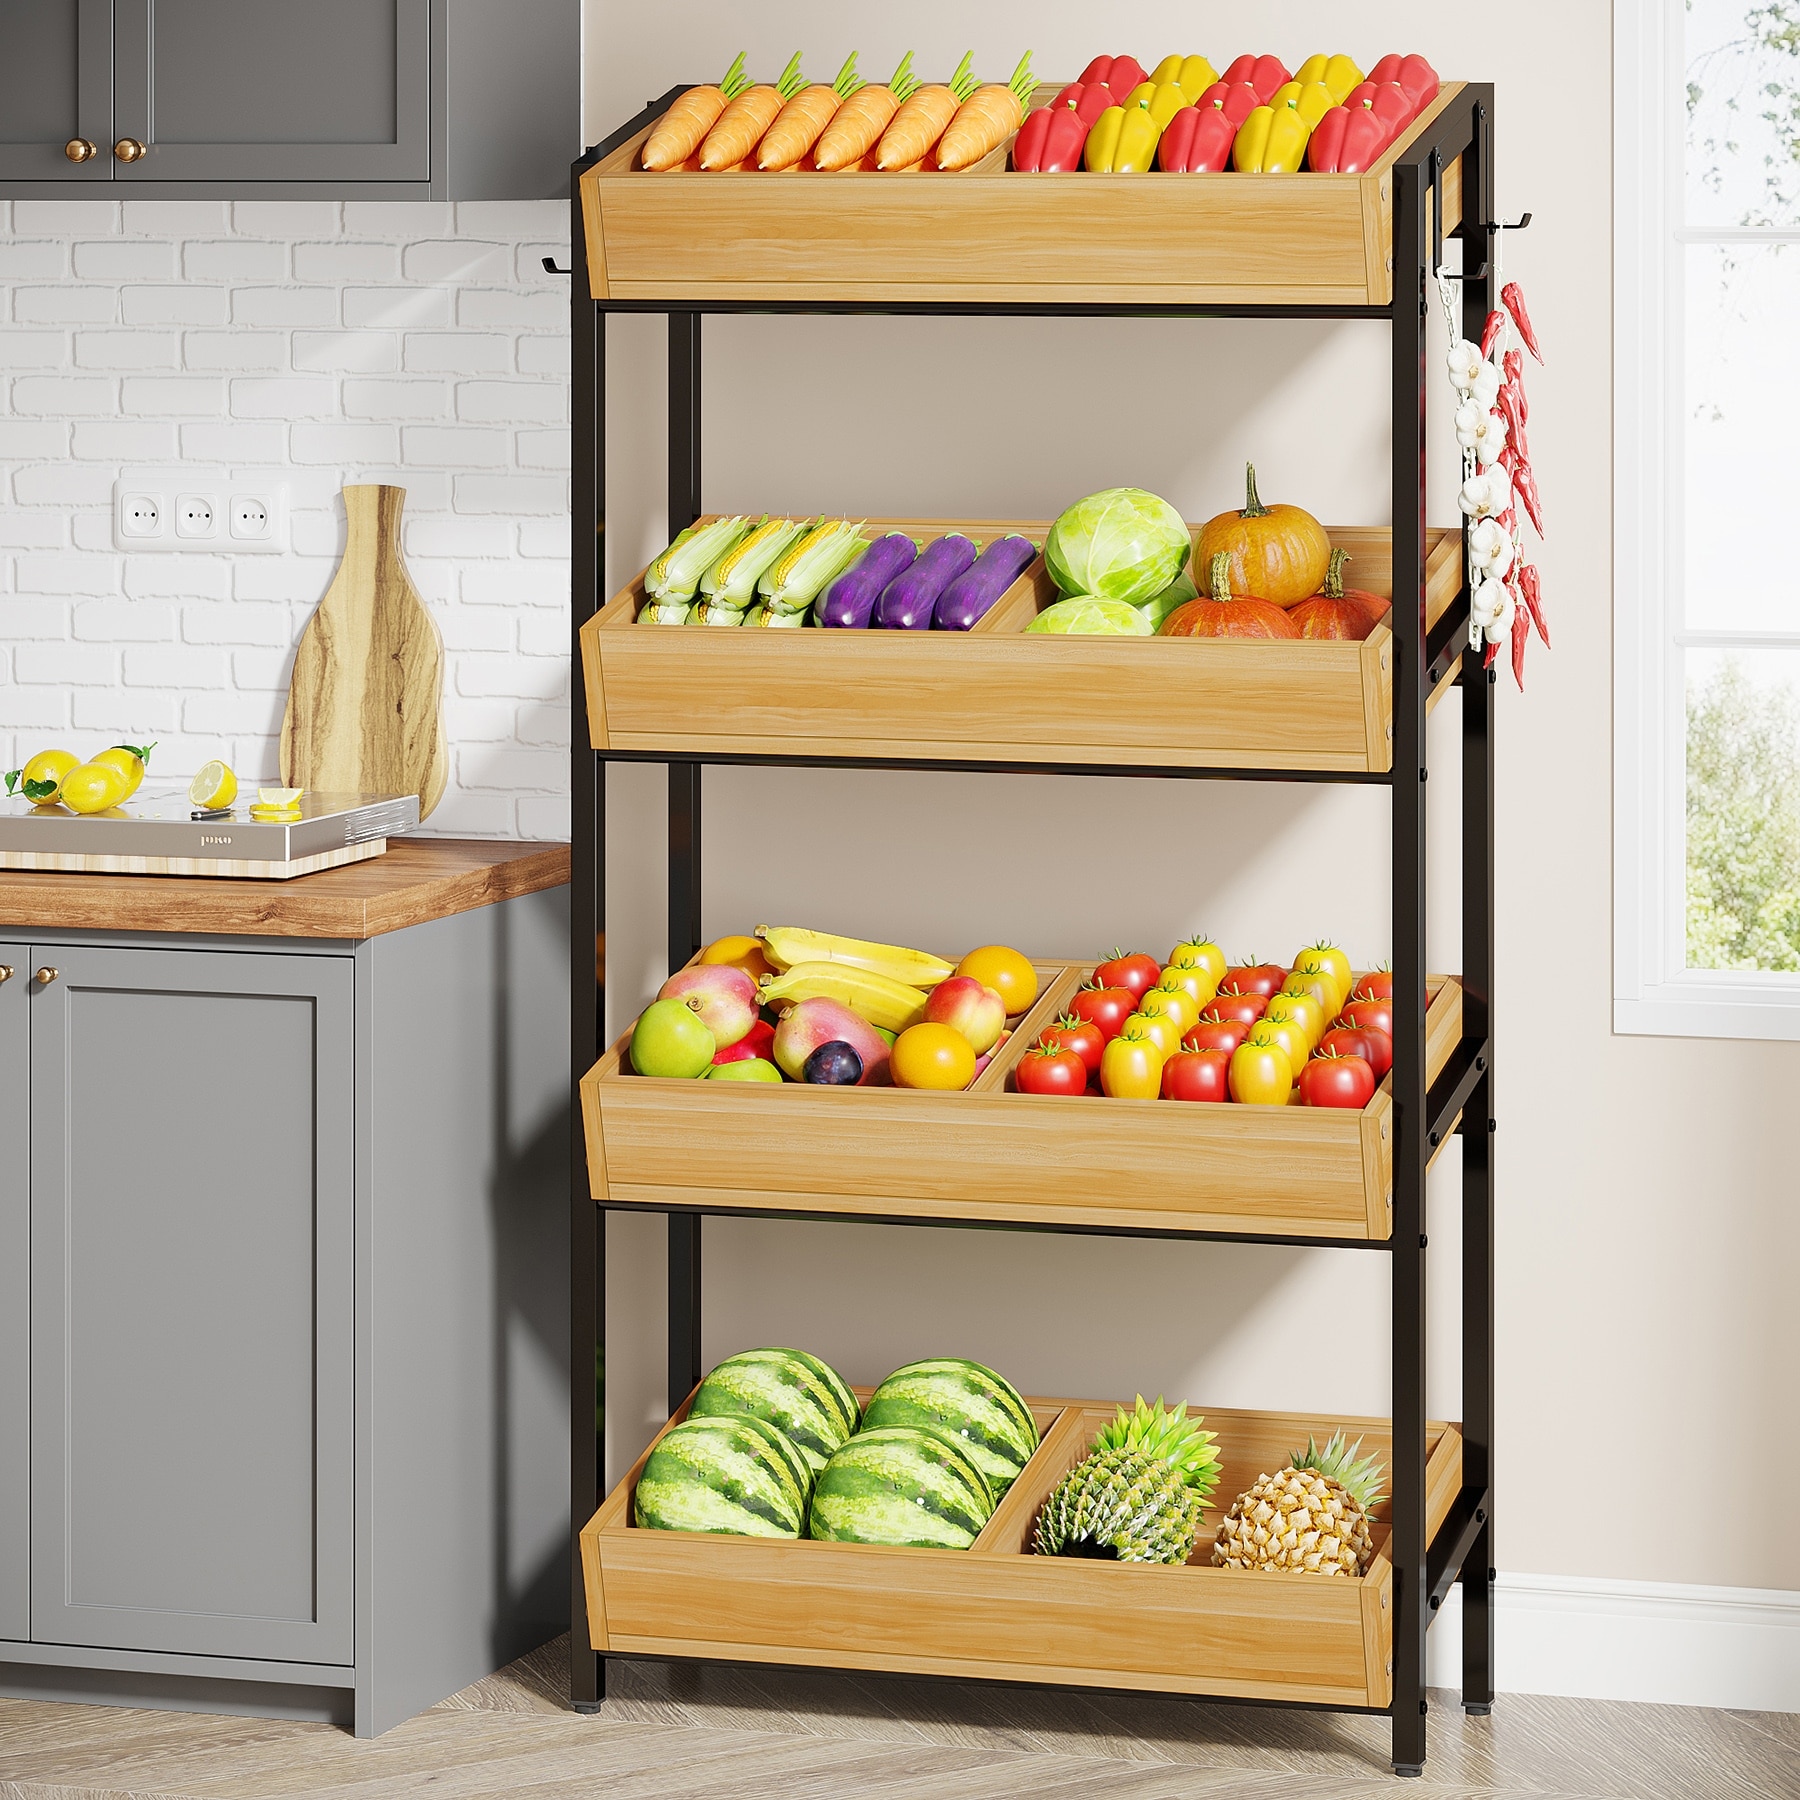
[[786, 945], [878, 998]]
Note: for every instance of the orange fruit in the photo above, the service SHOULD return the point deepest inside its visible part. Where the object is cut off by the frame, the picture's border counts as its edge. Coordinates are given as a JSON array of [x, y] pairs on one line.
[[932, 1056], [744, 953], [1009, 974]]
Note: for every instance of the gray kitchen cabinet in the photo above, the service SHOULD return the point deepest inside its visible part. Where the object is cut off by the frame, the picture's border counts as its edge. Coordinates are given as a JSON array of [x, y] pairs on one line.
[[192, 1287], [15, 1298], [283, 1405], [377, 99]]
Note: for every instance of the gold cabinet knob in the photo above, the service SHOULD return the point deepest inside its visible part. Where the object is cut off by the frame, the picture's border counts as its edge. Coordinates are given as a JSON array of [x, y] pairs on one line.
[[45, 976], [128, 150], [79, 150], [6, 973]]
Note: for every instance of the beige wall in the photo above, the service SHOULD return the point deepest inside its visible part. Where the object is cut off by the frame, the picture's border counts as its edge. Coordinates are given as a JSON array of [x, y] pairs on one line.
[[1646, 1218]]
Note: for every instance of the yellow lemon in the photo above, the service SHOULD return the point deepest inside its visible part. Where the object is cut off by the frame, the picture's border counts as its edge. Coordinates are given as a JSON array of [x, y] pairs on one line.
[[213, 788], [130, 760], [47, 766], [92, 787]]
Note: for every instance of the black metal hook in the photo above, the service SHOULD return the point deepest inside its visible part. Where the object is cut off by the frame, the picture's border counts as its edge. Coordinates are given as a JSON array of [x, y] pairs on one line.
[[550, 267]]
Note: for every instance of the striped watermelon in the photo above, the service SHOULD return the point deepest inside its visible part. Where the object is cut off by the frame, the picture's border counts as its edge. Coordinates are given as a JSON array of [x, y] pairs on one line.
[[803, 1398], [969, 1402], [903, 1484], [734, 1475]]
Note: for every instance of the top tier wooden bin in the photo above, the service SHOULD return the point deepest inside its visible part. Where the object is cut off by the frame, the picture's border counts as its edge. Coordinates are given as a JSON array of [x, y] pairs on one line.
[[993, 236], [1000, 694]]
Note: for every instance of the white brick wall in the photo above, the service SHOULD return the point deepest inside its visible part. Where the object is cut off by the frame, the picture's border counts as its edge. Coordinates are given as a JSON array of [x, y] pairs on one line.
[[323, 343]]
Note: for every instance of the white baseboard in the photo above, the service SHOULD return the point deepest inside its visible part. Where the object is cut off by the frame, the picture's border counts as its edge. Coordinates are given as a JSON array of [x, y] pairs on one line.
[[1634, 1640]]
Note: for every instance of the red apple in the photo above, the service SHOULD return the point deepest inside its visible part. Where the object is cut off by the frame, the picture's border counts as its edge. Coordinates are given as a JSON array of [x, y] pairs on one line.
[[968, 1006], [722, 994]]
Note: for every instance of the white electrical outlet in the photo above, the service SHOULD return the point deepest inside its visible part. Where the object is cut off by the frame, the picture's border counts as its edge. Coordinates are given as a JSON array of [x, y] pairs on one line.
[[195, 521]]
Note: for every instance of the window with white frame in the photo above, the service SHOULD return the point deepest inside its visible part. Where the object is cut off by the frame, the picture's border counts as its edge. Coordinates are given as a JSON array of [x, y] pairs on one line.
[[1707, 448]]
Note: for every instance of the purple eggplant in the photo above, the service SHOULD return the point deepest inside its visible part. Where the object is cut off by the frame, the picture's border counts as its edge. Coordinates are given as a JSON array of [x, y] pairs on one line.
[[906, 602], [970, 595], [850, 599]]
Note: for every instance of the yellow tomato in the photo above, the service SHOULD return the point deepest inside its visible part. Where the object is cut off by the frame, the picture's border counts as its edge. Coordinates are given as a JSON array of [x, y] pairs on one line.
[[744, 953], [1326, 959], [1009, 974], [932, 1056], [1162, 1030], [1200, 953], [1302, 1010], [1131, 1065], [47, 765], [1260, 1075], [1172, 1003], [1287, 1036], [92, 787], [1321, 987], [129, 760]]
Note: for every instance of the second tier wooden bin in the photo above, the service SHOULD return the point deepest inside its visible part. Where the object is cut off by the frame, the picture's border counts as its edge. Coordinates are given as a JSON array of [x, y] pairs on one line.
[[999, 693], [999, 1612], [994, 1156]]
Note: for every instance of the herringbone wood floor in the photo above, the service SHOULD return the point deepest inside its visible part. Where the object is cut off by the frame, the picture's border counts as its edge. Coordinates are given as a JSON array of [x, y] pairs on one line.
[[752, 1735]]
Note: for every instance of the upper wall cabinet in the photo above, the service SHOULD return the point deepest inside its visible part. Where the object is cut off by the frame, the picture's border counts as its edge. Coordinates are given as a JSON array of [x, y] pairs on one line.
[[290, 99]]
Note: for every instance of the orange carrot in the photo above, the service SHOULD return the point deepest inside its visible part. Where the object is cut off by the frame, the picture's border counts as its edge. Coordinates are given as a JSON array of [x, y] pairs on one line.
[[677, 134], [859, 122], [986, 119], [797, 126], [922, 117], [742, 124]]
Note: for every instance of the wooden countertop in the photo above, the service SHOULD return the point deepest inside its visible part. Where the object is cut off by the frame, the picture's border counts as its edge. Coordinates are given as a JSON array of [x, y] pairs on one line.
[[418, 879]]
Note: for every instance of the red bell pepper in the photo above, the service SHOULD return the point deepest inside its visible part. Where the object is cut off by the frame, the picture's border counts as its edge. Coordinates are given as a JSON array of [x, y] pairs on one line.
[[1236, 99], [1388, 101], [1120, 73], [1264, 73], [1346, 141], [1414, 74], [1197, 141]]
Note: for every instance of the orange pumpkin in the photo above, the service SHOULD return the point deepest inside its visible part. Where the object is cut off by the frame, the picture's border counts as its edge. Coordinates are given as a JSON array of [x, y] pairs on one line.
[[1226, 614], [1336, 611], [1279, 553]]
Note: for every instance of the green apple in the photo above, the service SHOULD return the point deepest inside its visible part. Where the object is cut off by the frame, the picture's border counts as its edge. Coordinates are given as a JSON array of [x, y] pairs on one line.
[[746, 1068], [672, 1039]]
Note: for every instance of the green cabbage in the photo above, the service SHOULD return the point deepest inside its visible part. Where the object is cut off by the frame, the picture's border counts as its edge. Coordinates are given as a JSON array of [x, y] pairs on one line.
[[1122, 544]]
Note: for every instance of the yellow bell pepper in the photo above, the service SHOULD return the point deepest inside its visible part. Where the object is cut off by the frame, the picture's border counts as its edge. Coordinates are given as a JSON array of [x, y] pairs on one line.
[[1164, 99], [1338, 73], [1192, 74], [1123, 141], [1311, 99], [1271, 141]]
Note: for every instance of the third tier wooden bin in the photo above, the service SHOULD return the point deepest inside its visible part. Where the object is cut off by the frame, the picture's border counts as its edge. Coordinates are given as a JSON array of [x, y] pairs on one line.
[[990, 1155], [999, 1612]]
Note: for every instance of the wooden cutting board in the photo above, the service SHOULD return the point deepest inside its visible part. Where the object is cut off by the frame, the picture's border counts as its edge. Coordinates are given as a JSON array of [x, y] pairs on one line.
[[363, 713]]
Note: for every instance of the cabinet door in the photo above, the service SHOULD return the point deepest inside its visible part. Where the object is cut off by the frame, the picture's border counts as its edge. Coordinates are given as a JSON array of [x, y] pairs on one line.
[[15, 1299], [192, 1302], [271, 90], [55, 86]]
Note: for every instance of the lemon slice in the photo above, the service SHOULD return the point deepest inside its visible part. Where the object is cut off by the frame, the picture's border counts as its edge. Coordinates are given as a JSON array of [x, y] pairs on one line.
[[213, 788]]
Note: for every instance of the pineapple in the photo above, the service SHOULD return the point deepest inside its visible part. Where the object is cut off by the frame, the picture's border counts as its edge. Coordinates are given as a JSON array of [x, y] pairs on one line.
[[1123, 1505], [1311, 1517], [1140, 1493]]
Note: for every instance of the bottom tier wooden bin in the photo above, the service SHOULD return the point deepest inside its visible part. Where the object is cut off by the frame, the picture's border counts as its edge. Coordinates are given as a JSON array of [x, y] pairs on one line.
[[998, 1612]]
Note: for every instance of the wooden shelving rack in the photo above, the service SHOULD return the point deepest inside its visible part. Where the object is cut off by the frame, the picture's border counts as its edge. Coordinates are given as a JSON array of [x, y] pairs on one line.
[[1353, 247]]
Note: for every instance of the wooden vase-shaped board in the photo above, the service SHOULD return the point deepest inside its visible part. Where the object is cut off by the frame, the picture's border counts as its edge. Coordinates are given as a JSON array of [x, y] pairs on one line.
[[363, 713]]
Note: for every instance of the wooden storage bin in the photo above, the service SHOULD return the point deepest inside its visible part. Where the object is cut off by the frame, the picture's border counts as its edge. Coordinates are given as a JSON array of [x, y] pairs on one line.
[[991, 235], [998, 1612], [999, 693], [987, 1155]]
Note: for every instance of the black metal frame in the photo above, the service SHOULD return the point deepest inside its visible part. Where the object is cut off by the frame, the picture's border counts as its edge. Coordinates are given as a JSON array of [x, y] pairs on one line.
[[1460, 1100]]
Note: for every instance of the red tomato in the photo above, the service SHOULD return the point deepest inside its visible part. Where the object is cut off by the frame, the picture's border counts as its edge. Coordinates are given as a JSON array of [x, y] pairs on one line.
[[1136, 971], [1232, 1004], [1253, 978], [1107, 1007], [1216, 1034], [1379, 1013], [1377, 985], [1044, 1070], [1337, 1081], [1197, 1075], [1082, 1036]]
